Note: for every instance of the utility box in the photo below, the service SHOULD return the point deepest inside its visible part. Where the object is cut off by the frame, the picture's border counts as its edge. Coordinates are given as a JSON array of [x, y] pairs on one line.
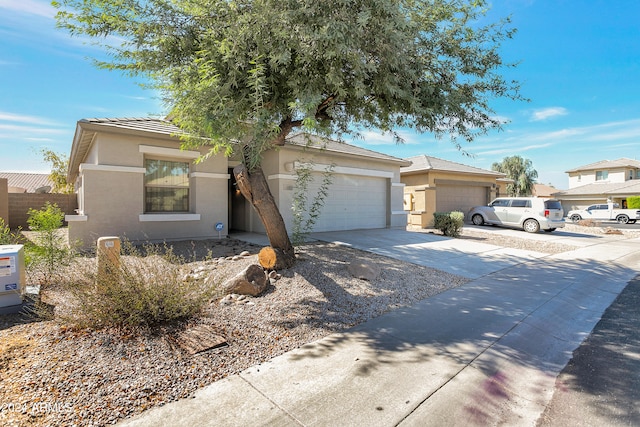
[[12, 277]]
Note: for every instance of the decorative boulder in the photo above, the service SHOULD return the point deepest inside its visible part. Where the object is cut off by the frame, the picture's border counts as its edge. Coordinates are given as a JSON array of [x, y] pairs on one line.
[[364, 270], [250, 281]]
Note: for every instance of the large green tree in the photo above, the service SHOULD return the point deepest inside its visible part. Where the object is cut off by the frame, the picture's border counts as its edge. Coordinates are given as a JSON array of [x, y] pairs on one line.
[[240, 75], [521, 171]]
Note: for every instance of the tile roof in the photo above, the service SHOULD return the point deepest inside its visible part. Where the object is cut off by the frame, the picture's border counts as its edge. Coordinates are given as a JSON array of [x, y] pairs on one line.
[[146, 124], [87, 128], [303, 139], [30, 182], [608, 164], [424, 163], [543, 190], [619, 188]]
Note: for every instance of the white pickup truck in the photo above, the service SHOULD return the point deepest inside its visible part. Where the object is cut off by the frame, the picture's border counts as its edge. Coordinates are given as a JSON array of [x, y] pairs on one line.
[[606, 211]]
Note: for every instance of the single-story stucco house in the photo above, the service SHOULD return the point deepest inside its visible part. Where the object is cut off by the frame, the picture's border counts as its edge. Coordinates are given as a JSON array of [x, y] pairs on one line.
[[601, 182], [133, 180], [437, 185]]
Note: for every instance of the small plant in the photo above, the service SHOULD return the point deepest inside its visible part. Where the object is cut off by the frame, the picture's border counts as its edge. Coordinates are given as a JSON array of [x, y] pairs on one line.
[[50, 253], [305, 218], [148, 288], [449, 223], [8, 237]]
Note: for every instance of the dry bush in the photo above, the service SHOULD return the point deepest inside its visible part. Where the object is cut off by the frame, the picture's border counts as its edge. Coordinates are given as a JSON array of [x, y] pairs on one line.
[[142, 292], [588, 223]]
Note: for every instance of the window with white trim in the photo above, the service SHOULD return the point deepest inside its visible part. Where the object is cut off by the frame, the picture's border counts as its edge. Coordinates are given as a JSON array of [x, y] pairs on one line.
[[602, 175], [166, 186]]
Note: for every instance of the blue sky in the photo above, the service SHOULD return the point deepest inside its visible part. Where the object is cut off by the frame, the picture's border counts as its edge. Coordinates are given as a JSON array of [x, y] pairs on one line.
[[579, 65]]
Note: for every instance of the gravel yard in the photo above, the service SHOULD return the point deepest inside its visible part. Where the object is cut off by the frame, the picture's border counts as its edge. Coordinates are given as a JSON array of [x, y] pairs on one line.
[[53, 375]]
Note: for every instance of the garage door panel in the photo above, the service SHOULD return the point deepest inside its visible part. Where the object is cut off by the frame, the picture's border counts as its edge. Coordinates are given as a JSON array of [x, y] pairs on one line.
[[459, 197], [353, 202]]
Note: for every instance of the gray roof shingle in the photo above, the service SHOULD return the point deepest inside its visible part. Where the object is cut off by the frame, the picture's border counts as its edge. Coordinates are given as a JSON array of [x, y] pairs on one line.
[[618, 188], [424, 163], [302, 139], [608, 164]]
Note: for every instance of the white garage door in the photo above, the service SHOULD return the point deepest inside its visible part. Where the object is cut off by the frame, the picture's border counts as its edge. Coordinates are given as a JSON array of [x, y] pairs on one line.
[[459, 197], [354, 202]]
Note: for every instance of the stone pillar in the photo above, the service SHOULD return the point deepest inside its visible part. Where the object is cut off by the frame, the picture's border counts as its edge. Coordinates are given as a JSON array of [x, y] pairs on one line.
[[108, 254]]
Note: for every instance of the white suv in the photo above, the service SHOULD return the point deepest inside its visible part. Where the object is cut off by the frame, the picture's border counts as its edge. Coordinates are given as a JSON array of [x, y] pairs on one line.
[[529, 213]]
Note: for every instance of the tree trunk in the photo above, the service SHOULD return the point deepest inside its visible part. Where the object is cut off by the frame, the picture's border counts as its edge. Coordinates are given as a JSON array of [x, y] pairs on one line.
[[255, 189], [271, 258]]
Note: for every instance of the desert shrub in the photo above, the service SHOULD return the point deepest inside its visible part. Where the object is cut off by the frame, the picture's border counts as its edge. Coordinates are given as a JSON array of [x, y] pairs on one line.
[[588, 223], [633, 202], [7, 236], [449, 223], [148, 288], [49, 255]]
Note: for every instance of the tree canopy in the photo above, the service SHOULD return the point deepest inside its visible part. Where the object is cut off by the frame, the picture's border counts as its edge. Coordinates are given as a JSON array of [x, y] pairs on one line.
[[252, 70], [240, 75], [522, 173]]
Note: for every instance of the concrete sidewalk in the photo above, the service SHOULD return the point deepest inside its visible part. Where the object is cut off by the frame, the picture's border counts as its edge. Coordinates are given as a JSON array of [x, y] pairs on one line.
[[485, 353]]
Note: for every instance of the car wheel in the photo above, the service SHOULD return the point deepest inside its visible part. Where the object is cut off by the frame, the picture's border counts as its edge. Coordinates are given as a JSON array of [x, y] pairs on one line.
[[549, 230], [531, 226], [477, 219], [575, 218], [622, 219]]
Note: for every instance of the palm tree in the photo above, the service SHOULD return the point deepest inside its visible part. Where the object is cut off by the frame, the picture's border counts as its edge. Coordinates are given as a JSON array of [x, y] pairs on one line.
[[522, 173]]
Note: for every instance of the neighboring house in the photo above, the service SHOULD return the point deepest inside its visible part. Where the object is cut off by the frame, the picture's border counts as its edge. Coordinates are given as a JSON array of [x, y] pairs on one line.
[[600, 182], [437, 185], [27, 182], [543, 191], [133, 181]]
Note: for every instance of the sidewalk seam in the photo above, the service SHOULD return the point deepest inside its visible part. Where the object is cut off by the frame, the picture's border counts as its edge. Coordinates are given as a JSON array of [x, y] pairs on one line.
[[270, 400]]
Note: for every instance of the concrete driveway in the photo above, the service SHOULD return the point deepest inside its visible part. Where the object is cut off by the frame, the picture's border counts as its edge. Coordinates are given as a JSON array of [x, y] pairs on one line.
[[458, 256]]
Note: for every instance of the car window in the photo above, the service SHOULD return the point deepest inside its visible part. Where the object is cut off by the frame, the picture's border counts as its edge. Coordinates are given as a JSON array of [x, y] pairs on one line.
[[552, 204], [500, 203], [521, 203]]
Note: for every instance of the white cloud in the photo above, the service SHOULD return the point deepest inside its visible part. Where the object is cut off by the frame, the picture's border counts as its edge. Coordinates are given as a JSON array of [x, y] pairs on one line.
[[29, 7], [378, 138], [513, 149], [547, 113], [12, 118]]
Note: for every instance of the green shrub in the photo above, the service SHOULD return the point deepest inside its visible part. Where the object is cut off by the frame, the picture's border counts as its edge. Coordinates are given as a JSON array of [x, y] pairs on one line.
[[633, 202], [8, 237], [142, 292], [47, 258], [449, 223]]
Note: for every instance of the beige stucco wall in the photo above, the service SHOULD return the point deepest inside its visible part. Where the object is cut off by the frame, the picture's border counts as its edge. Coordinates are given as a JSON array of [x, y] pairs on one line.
[[578, 179], [112, 175], [421, 195], [4, 200]]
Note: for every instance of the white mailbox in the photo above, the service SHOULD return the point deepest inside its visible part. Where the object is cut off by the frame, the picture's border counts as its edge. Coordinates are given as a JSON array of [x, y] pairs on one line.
[[12, 279]]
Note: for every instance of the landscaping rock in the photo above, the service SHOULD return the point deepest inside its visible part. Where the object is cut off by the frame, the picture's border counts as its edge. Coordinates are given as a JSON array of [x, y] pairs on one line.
[[251, 281], [364, 270]]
